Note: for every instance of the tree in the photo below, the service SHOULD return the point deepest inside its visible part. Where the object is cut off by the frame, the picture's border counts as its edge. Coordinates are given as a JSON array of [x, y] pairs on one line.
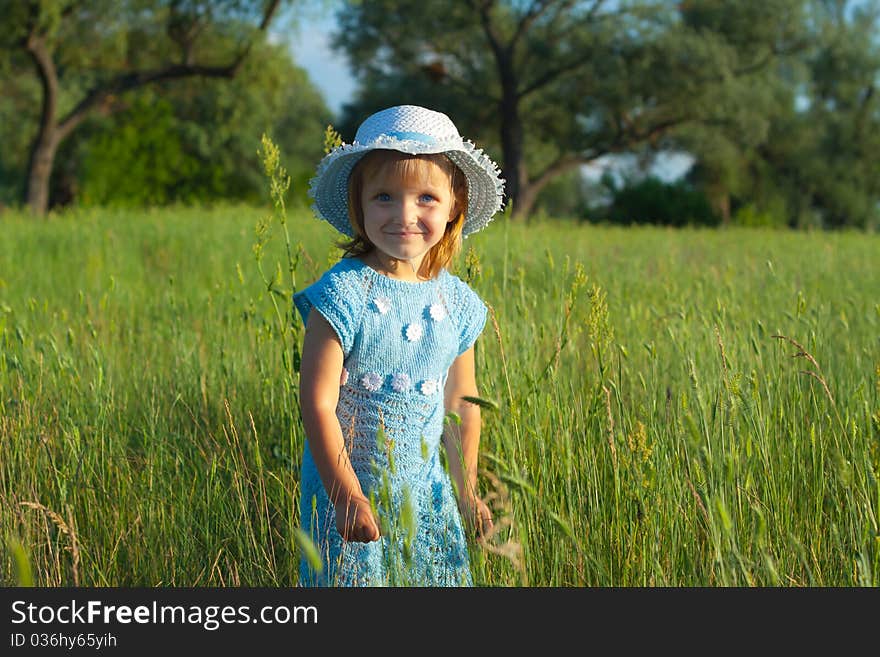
[[105, 48], [198, 141], [811, 156], [832, 169], [556, 84]]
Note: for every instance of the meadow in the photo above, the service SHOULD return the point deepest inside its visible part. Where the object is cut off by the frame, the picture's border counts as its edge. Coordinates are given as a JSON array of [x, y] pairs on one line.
[[665, 407]]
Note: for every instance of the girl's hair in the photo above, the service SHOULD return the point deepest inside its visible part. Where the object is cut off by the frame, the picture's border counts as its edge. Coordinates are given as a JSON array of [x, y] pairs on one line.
[[406, 166]]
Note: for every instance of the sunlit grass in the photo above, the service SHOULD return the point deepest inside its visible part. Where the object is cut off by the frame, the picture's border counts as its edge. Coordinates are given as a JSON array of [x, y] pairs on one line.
[[649, 429]]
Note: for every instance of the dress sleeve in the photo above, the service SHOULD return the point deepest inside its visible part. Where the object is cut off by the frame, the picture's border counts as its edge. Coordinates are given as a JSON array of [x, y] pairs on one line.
[[336, 297], [471, 313]]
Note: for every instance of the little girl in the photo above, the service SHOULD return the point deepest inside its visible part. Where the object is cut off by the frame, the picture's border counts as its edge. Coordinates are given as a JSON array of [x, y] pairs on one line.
[[389, 352]]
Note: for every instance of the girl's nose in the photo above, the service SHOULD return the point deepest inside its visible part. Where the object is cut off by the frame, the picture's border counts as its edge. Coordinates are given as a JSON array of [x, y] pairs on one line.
[[409, 211]]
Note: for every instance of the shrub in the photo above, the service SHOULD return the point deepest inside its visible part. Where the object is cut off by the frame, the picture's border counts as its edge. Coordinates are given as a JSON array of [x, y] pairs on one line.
[[652, 201]]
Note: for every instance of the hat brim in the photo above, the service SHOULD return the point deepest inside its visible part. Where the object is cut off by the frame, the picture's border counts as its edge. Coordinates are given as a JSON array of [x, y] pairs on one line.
[[329, 187]]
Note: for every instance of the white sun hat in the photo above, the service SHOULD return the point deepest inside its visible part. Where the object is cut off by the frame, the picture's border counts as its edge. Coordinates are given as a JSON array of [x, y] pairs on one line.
[[408, 129]]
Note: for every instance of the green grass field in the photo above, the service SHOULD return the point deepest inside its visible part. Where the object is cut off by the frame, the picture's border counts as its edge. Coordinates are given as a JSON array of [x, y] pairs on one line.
[[652, 428]]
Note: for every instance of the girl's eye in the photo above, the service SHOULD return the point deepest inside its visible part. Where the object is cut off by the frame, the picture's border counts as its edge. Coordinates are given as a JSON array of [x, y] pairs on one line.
[[382, 196], [427, 198]]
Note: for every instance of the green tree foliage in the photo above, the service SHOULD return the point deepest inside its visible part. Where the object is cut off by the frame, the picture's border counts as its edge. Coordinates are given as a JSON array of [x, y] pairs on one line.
[[197, 141], [811, 154], [86, 56], [551, 85], [837, 133]]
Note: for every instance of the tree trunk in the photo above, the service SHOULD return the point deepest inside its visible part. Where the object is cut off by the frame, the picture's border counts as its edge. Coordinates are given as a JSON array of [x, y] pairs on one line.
[[530, 189], [512, 166], [720, 201], [528, 195], [516, 179], [46, 143], [724, 208], [40, 170]]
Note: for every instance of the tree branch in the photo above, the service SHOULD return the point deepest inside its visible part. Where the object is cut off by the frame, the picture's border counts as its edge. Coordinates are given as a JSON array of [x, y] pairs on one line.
[[551, 75], [460, 81], [559, 166], [483, 9], [470, 90], [629, 133], [534, 12], [36, 48], [127, 81]]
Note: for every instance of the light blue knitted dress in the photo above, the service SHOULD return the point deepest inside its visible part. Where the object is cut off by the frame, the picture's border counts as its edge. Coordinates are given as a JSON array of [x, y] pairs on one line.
[[399, 340]]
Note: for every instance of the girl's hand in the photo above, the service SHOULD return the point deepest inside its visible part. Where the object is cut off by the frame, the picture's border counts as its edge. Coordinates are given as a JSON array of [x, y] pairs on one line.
[[355, 520], [477, 516]]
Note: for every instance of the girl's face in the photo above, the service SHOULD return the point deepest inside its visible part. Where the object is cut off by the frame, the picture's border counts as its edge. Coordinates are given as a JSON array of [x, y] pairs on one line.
[[406, 209]]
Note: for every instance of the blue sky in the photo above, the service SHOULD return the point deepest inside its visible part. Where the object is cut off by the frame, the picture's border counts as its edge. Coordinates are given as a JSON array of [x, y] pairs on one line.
[[310, 47]]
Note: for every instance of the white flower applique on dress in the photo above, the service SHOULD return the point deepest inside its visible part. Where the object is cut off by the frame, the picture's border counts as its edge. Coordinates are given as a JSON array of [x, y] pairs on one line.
[[383, 304], [437, 311], [414, 332], [371, 381], [429, 387], [401, 382]]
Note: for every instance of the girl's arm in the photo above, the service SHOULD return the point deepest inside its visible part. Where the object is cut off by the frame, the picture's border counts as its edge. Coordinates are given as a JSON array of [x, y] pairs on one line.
[[320, 374], [462, 441]]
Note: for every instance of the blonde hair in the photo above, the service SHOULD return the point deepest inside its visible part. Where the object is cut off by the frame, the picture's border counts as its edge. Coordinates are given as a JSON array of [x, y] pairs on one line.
[[406, 166]]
